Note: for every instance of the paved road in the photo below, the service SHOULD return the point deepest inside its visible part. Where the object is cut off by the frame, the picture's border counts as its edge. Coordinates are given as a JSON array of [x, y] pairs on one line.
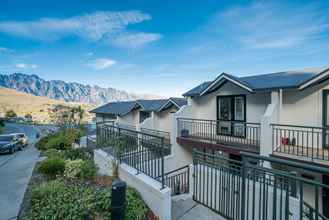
[[15, 172]]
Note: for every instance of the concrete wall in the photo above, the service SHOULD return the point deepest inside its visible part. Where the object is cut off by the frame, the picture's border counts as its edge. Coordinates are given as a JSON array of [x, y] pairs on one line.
[[156, 198], [205, 107]]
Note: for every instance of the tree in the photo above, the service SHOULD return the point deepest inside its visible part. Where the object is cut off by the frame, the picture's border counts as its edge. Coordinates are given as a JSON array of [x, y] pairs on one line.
[[28, 116], [11, 114]]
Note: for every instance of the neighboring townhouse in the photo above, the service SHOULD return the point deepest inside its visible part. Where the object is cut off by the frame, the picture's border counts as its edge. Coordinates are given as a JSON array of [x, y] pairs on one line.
[[283, 115], [111, 111], [149, 115]]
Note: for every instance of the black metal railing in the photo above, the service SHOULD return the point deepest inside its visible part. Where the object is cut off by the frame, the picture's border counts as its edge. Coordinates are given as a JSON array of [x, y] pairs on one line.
[[178, 180], [302, 141], [310, 213], [248, 189], [164, 134], [232, 133], [126, 126], [142, 151]]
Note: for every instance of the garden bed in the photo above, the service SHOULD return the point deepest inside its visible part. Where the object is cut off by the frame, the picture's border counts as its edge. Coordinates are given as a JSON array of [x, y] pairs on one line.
[[64, 186]]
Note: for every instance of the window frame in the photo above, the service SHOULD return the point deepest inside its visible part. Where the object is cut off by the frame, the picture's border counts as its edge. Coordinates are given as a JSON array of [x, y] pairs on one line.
[[232, 97]]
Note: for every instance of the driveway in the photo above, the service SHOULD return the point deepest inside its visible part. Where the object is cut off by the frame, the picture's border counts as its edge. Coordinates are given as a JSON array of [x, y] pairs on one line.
[[15, 172]]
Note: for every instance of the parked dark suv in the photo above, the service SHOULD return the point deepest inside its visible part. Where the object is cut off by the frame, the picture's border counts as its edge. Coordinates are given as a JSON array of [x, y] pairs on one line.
[[9, 143]]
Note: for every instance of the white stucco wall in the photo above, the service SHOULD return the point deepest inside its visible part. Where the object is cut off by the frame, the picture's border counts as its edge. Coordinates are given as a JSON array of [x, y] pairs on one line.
[[205, 107], [180, 156], [132, 118], [163, 120], [303, 107]]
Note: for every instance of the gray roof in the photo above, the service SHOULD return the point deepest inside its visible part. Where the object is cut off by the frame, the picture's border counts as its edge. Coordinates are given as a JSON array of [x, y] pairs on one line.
[[279, 80], [198, 89], [116, 108], [151, 105], [179, 101], [173, 101], [122, 108]]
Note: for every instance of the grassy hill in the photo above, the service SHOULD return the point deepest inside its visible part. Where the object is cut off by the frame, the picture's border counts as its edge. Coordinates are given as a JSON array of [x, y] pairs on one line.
[[39, 107]]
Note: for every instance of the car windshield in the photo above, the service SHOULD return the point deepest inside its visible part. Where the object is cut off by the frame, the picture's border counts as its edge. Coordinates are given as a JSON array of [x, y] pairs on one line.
[[6, 138]]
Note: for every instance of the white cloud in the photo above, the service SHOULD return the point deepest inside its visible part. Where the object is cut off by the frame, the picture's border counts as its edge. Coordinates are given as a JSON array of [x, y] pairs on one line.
[[264, 25], [134, 40], [99, 26], [101, 63], [26, 66]]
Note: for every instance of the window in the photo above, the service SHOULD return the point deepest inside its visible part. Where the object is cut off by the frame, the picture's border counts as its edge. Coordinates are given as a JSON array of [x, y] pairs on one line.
[[143, 115], [230, 111]]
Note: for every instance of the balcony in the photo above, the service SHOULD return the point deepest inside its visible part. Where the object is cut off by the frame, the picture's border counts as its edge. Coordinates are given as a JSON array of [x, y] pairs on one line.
[[301, 142], [228, 136]]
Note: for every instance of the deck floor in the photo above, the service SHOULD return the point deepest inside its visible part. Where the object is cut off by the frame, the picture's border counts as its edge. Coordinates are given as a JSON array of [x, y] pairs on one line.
[[237, 143]]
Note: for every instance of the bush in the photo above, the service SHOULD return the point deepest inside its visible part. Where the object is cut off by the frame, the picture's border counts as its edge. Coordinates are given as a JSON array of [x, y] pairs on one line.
[[52, 167], [53, 153], [80, 169], [10, 114], [61, 200], [58, 200], [79, 153], [65, 137], [42, 143], [88, 170], [136, 208], [73, 168]]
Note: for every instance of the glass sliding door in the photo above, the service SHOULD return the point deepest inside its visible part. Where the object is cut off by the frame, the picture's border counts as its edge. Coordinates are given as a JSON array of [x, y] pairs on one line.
[[230, 111], [239, 115]]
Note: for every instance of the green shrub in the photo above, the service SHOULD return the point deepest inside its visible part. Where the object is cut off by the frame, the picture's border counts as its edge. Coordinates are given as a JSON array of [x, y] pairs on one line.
[[83, 169], [135, 206], [52, 167], [53, 153], [42, 143], [73, 168], [79, 153], [88, 170], [65, 137], [61, 200], [58, 200]]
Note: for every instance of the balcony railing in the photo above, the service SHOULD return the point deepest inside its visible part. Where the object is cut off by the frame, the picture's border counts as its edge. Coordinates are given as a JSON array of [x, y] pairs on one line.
[[301, 141], [164, 134], [232, 133], [142, 151]]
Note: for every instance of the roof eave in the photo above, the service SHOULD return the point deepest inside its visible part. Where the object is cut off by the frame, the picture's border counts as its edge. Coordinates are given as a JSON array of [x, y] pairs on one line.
[[225, 77]]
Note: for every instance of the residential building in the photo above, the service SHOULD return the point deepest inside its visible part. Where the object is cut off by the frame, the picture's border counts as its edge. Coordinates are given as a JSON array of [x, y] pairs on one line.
[[282, 115]]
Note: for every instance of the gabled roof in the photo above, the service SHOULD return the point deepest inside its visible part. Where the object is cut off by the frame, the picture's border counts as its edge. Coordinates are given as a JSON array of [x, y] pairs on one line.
[[173, 101], [123, 108], [151, 105], [115, 108], [299, 79]]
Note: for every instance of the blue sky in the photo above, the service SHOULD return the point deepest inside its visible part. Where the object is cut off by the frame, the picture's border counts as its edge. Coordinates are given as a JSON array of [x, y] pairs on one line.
[[160, 47]]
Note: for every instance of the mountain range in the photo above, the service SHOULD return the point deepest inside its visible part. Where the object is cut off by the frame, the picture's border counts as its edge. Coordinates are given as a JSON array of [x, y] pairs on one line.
[[66, 91]]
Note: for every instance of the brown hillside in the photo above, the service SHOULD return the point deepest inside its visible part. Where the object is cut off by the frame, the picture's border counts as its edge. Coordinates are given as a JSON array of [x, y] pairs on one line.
[[39, 107]]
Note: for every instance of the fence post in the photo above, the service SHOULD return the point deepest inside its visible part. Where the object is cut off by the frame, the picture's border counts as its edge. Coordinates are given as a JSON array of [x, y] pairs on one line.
[[162, 164], [243, 188]]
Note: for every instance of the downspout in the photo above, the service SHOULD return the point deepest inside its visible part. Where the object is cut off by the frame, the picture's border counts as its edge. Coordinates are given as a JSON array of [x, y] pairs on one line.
[[280, 105]]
